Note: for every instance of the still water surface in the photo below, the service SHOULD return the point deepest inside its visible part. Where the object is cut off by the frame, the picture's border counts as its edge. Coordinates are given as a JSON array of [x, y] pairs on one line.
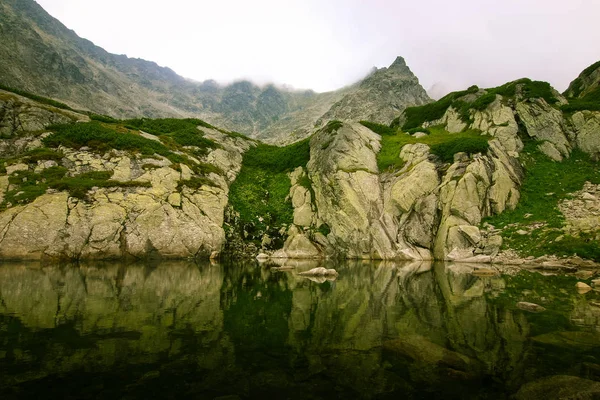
[[232, 330]]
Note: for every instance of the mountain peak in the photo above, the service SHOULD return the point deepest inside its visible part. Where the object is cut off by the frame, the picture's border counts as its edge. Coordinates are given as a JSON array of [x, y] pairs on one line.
[[399, 62]]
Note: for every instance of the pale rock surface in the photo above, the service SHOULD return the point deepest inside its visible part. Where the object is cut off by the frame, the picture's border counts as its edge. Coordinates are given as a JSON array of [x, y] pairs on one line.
[[545, 123], [499, 121], [587, 127]]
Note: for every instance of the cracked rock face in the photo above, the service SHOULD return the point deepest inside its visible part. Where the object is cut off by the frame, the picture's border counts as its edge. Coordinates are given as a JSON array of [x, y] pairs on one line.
[[423, 211]]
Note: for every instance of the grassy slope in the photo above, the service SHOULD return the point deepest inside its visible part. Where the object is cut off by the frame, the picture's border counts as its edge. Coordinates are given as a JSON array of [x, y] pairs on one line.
[[262, 186], [546, 184]]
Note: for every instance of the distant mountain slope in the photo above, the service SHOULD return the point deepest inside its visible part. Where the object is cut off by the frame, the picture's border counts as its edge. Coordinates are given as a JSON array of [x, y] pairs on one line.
[[39, 54]]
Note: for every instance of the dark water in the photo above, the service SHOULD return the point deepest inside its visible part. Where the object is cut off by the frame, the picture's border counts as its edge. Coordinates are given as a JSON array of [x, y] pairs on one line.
[[381, 330]]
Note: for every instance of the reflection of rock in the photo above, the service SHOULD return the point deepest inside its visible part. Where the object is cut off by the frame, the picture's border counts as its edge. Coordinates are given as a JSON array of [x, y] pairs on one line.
[[531, 307], [570, 339], [560, 387], [420, 349], [320, 271], [583, 287], [320, 279]]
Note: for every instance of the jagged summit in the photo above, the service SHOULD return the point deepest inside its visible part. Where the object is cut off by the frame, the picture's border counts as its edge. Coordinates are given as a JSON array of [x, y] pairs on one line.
[[399, 62], [381, 96]]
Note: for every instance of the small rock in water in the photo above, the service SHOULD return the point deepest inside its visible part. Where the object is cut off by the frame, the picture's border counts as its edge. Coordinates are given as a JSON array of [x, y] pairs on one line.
[[531, 307], [320, 271], [583, 287]]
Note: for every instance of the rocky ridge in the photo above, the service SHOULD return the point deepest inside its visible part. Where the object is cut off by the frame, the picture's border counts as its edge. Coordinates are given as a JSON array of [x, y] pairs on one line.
[[150, 207]]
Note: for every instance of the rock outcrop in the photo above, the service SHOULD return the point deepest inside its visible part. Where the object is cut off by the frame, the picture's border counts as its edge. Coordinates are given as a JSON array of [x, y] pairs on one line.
[[153, 208], [425, 210]]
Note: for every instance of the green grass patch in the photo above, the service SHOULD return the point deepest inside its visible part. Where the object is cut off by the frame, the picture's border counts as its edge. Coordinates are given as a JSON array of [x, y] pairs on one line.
[[100, 138], [441, 142], [545, 185], [191, 136], [416, 116], [262, 186]]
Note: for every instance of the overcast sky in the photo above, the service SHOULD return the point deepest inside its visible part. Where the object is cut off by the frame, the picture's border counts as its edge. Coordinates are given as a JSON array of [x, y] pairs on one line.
[[326, 44]]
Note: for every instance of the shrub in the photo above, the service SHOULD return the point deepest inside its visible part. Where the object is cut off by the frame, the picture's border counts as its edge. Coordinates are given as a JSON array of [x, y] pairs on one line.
[[470, 145], [43, 153], [379, 128]]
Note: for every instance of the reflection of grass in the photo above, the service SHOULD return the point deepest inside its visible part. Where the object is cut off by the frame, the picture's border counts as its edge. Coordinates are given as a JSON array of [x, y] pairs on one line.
[[555, 292], [442, 144], [546, 184]]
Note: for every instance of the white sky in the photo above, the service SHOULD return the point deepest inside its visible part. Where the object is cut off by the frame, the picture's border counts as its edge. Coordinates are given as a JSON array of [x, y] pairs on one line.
[[326, 44]]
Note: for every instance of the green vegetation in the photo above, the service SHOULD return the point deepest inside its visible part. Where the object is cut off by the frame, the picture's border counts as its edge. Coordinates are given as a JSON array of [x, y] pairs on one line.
[[416, 116], [546, 184], [442, 144], [57, 104], [467, 144], [171, 125], [379, 128], [101, 138], [42, 154], [262, 187], [30, 185]]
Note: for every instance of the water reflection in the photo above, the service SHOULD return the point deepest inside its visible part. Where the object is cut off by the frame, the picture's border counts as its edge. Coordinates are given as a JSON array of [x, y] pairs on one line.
[[177, 329]]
